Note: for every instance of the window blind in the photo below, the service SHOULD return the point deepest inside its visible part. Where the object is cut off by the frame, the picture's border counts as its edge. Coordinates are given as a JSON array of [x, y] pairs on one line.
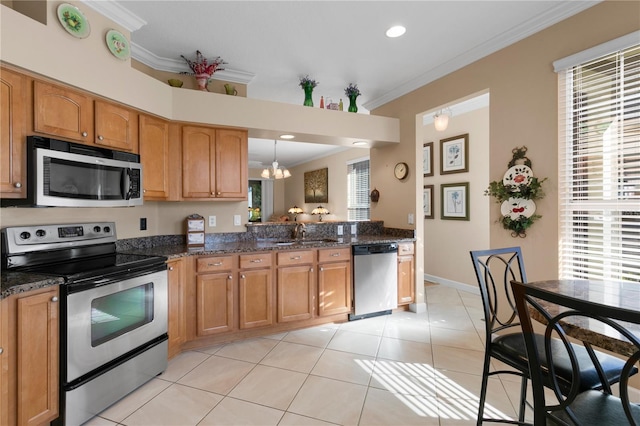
[[358, 207], [599, 168]]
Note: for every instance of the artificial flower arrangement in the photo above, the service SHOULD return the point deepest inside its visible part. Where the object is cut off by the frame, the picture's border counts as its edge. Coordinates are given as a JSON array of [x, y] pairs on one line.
[[352, 90], [306, 82], [202, 66], [517, 195]]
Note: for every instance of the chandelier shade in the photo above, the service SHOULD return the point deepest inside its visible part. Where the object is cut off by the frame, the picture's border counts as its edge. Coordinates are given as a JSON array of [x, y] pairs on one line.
[[441, 120], [275, 171]]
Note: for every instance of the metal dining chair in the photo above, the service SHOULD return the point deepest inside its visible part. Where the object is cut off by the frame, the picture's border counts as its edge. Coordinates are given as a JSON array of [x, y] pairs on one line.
[[575, 406], [495, 269]]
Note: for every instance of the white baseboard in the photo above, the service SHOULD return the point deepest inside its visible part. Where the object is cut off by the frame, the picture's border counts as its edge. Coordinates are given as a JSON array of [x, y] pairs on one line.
[[454, 284]]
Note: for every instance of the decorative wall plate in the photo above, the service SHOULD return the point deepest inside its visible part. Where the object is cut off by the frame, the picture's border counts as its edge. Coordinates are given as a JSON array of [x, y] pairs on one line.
[[518, 175], [118, 44], [73, 20], [515, 207]]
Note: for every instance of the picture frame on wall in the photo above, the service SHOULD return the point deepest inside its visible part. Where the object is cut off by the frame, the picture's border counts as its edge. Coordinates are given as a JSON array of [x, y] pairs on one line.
[[454, 154], [316, 186], [454, 201], [427, 201], [427, 159]]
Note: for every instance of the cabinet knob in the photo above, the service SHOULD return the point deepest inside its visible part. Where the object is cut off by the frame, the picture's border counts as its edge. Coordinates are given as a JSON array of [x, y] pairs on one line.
[[144, 191], [294, 258], [171, 268], [100, 137], [17, 185], [54, 299], [335, 254], [321, 269], [85, 134], [218, 193], [256, 261], [230, 277], [1, 350], [243, 276]]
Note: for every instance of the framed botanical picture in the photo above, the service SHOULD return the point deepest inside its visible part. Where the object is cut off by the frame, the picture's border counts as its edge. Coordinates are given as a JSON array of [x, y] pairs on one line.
[[454, 200], [316, 186], [427, 159], [454, 154], [427, 201]]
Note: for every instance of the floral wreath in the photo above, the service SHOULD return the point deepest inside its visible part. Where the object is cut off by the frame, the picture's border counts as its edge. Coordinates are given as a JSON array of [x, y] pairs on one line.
[[516, 193]]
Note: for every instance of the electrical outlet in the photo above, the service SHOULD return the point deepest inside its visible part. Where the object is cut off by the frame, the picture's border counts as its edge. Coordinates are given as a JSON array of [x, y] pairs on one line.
[[354, 229], [340, 229], [410, 218], [143, 223], [237, 220], [212, 221]]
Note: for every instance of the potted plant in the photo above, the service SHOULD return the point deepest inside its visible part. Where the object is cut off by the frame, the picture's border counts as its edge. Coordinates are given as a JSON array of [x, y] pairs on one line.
[[352, 93], [203, 69], [307, 85]]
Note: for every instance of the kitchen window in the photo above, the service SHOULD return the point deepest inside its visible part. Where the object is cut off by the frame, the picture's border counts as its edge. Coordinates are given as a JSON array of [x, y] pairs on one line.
[[599, 162], [358, 207]]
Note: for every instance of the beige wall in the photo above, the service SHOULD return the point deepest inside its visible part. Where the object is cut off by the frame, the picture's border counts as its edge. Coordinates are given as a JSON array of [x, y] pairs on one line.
[[337, 175], [452, 239], [523, 111]]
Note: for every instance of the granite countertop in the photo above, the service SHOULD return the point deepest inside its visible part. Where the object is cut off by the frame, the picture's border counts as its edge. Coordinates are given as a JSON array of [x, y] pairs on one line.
[[20, 282]]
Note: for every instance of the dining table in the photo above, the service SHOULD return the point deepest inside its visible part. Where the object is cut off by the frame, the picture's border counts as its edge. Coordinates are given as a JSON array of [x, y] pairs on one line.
[[618, 294]]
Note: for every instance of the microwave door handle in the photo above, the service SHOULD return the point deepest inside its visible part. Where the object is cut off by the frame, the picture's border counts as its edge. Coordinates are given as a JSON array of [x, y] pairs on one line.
[[126, 183]]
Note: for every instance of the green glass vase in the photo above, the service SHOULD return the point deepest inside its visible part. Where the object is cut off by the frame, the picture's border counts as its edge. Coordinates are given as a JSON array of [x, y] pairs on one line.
[[308, 99], [352, 104]]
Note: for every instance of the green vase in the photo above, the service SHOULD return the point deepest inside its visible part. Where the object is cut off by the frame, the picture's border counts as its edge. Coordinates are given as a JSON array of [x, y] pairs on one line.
[[308, 100], [352, 104]]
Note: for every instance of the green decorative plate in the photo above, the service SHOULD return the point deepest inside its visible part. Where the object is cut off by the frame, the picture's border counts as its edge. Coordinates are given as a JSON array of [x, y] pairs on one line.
[[73, 20], [118, 44]]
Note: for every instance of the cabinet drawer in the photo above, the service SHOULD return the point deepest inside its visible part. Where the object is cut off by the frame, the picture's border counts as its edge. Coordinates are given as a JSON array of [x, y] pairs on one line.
[[295, 257], [405, 248], [334, 254], [214, 264], [259, 260]]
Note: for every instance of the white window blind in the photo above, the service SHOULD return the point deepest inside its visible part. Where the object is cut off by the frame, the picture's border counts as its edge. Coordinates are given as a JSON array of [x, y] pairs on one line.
[[358, 190], [599, 167]]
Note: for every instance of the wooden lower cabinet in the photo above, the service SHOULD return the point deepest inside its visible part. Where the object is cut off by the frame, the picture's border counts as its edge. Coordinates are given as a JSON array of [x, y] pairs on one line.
[[295, 286], [29, 360], [215, 303], [334, 281], [406, 280], [177, 306], [256, 298]]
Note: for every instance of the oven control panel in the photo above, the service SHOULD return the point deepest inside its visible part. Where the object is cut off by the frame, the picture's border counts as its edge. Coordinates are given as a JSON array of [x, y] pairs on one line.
[[22, 239]]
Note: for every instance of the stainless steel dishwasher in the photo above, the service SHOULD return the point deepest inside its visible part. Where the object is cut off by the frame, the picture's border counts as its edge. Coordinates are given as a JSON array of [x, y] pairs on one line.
[[375, 279]]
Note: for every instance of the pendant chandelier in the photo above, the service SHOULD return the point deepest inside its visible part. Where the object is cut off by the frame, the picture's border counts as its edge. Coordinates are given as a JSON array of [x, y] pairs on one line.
[[275, 171]]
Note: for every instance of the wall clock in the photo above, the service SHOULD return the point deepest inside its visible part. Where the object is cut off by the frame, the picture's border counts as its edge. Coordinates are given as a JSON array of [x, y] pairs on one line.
[[401, 170]]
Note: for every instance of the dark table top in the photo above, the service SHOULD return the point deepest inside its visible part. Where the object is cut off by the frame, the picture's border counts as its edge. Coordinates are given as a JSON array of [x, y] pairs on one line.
[[609, 293]]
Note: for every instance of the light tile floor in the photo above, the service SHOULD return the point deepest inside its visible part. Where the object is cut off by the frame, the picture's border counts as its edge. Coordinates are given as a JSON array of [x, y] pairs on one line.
[[400, 369]]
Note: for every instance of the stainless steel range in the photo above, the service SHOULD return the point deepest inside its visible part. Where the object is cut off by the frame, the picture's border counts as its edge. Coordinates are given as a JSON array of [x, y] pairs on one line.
[[113, 331]]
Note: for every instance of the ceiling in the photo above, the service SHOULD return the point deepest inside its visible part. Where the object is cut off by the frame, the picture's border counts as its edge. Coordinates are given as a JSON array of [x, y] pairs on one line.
[[270, 45]]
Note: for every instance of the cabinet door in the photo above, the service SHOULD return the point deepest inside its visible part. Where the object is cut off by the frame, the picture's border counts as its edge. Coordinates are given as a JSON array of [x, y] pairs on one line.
[[116, 127], [62, 112], [13, 134], [214, 303], [405, 280], [177, 307], [256, 298], [231, 164], [198, 162], [154, 156], [37, 349], [334, 288], [295, 293], [4, 363]]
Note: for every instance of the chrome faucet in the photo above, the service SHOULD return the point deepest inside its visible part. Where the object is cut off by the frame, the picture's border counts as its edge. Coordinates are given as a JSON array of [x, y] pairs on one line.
[[299, 230]]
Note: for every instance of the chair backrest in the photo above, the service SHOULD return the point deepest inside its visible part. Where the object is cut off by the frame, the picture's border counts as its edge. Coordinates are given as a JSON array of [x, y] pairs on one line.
[[495, 269], [558, 312]]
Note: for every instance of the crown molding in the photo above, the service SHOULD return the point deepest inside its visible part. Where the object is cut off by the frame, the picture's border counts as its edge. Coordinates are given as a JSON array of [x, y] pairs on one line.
[[156, 62], [117, 14], [544, 20]]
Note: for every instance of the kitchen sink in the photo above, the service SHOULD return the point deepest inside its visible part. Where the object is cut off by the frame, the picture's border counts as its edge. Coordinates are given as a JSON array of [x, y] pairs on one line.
[[310, 241]]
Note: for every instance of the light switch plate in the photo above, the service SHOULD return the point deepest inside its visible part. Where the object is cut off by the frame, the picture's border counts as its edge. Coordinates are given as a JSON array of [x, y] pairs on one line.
[[212, 221], [354, 229], [340, 229], [236, 220], [410, 218]]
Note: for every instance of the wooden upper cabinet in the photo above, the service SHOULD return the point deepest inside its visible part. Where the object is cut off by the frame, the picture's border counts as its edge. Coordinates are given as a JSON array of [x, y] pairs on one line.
[[13, 134], [116, 127], [154, 155], [232, 179], [214, 163], [59, 111]]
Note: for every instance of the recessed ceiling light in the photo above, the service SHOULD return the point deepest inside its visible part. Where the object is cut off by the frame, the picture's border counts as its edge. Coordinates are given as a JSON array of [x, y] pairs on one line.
[[396, 31], [358, 143], [287, 136]]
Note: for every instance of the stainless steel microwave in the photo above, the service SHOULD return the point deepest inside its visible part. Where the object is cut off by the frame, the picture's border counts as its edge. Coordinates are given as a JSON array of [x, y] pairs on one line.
[[66, 174]]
